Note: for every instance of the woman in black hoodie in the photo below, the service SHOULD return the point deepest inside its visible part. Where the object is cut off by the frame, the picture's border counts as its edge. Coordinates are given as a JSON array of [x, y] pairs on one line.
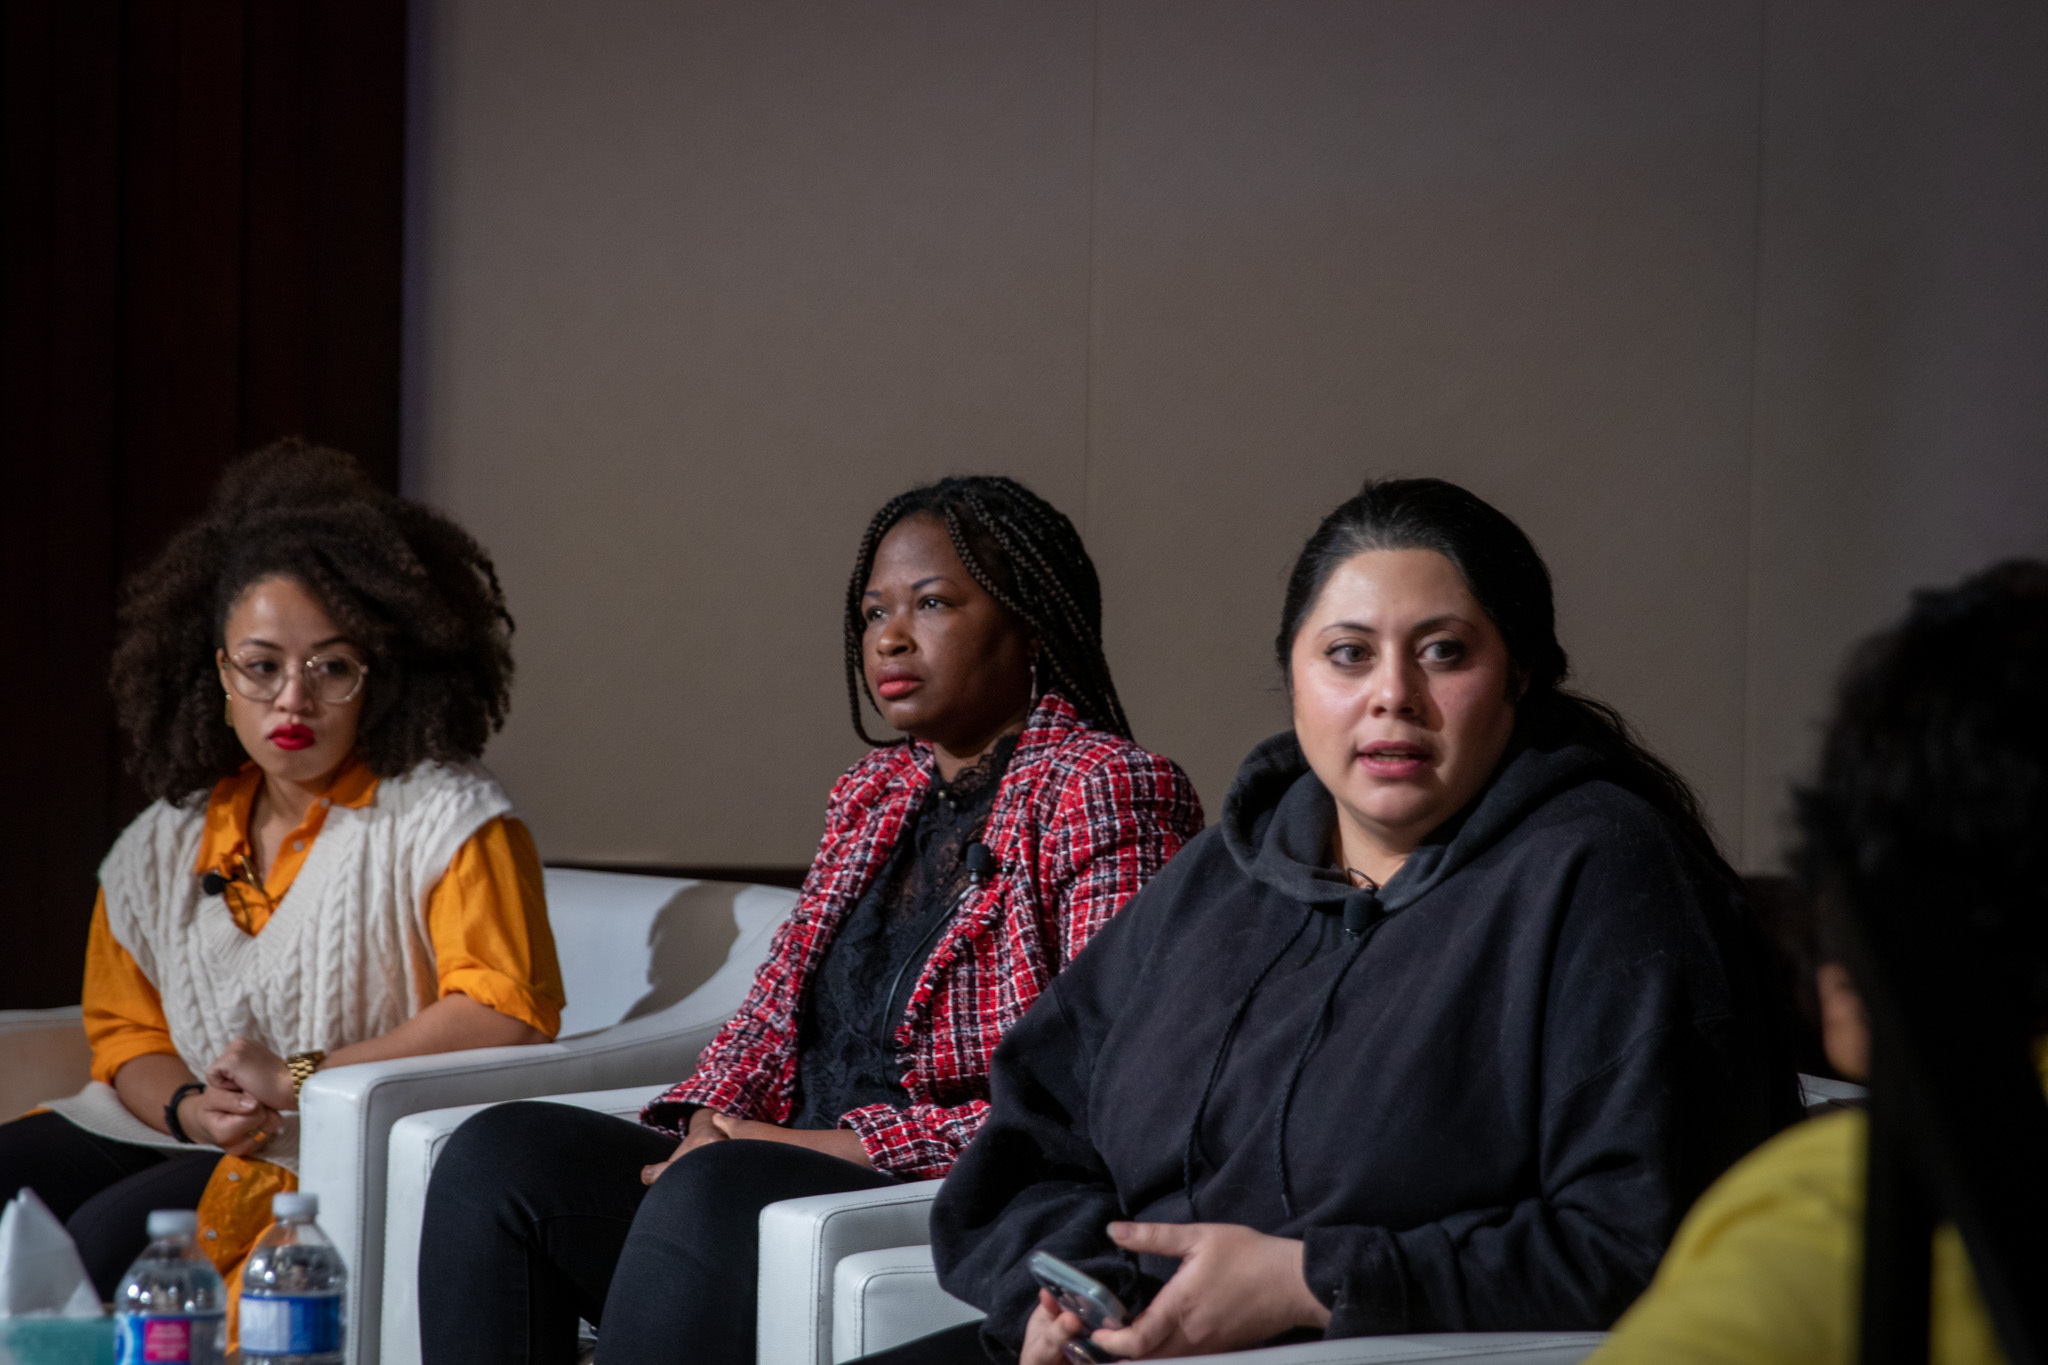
[[1442, 1029]]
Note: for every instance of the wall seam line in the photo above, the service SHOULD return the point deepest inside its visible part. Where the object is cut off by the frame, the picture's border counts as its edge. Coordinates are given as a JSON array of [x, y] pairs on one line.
[[1752, 858], [1088, 334]]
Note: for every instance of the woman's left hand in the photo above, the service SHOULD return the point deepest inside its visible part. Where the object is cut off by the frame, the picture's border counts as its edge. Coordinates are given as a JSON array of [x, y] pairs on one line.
[[1235, 1288], [843, 1143], [255, 1070]]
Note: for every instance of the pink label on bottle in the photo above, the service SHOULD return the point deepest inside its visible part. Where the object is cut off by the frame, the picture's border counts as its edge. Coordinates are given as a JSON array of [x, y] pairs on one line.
[[167, 1339]]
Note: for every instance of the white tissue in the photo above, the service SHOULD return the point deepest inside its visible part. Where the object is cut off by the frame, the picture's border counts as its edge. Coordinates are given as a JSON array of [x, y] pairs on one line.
[[40, 1273]]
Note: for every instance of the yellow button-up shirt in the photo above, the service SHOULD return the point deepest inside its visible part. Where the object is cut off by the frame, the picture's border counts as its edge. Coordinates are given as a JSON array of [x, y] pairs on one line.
[[487, 919]]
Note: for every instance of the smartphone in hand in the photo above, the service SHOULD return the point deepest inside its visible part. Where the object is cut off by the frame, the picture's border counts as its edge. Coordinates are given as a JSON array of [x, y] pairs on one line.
[[1085, 1297]]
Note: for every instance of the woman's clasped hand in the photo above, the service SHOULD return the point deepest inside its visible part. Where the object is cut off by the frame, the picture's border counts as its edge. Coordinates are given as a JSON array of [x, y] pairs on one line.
[[227, 1116], [255, 1072], [1235, 1287], [708, 1126]]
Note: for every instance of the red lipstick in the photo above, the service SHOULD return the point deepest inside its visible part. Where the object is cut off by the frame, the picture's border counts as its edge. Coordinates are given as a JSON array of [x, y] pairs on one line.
[[291, 737]]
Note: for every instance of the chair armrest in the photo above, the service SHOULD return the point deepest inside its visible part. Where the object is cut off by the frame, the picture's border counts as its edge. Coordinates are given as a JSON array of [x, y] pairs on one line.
[[415, 1145], [802, 1243], [884, 1298], [1435, 1348], [346, 1116], [43, 1056]]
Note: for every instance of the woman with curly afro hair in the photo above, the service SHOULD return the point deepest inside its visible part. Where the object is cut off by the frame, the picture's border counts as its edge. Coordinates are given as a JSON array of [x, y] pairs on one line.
[[306, 677]]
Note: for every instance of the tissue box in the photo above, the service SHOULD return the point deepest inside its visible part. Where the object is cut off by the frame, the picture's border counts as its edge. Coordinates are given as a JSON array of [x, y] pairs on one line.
[[56, 1341]]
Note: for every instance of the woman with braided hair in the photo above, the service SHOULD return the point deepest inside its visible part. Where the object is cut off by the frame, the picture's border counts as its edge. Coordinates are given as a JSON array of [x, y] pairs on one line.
[[306, 676], [962, 867]]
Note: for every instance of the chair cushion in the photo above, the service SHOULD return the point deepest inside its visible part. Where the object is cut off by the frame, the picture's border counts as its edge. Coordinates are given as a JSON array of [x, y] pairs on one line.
[[885, 1298]]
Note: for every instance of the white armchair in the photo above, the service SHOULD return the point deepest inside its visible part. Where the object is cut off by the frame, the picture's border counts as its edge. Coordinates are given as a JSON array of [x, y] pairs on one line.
[[416, 1143], [845, 1275], [42, 1054], [652, 967], [840, 1279]]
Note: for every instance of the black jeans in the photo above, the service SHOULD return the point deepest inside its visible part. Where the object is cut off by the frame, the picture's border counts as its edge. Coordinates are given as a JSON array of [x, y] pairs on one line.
[[103, 1190], [536, 1216]]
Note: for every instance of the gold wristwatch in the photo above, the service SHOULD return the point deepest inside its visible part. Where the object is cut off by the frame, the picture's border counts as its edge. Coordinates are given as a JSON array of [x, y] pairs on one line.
[[302, 1065]]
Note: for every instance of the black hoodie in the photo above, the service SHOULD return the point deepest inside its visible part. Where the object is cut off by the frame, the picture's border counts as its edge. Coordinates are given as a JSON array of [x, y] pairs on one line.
[[1487, 1109]]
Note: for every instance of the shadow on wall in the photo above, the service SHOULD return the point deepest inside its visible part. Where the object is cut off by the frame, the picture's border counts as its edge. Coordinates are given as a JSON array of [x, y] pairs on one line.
[[687, 941]]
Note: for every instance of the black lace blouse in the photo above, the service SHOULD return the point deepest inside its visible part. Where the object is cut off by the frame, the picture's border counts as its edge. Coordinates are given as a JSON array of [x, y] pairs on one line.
[[846, 1039]]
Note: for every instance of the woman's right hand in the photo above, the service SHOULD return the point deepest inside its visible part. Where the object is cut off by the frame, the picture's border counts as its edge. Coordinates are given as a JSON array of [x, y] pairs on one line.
[[700, 1132], [1050, 1328], [230, 1120]]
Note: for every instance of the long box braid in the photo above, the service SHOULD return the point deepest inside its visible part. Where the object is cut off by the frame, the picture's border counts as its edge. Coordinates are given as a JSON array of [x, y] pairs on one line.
[[1027, 556]]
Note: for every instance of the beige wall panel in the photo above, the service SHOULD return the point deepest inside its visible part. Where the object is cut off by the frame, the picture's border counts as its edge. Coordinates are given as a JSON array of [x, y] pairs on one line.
[[1902, 422], [1505, 244], [694, 287]]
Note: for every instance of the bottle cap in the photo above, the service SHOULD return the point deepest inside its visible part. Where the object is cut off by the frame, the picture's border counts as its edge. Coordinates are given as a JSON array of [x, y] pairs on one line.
[[172, 1222], [299, 1205]]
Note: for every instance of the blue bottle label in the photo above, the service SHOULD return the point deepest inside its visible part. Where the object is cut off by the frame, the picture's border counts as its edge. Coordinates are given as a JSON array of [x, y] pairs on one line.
[[290, 1325], [168, 1338]]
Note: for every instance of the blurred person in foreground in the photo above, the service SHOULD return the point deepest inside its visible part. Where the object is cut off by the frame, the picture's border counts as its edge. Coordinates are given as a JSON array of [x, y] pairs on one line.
[[306, 676], [1934, 771]]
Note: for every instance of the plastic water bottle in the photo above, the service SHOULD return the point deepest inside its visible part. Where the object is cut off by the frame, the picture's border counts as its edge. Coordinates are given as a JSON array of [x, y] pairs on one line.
[[293, 1288], [171, 1308]]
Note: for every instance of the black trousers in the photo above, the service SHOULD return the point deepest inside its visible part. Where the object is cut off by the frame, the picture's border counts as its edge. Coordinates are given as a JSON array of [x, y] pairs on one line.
[[103, 1190], [536, 1216]]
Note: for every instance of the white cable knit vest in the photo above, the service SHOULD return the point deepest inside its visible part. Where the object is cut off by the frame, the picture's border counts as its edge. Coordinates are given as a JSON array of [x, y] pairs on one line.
[[345, 957]]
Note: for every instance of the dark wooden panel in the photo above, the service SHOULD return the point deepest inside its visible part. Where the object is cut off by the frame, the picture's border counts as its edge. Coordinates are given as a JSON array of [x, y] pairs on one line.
[[59, 243], [199, 254]]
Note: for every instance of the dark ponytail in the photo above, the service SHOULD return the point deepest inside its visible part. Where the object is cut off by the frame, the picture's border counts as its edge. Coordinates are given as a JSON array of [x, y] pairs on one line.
[[1512, 584]]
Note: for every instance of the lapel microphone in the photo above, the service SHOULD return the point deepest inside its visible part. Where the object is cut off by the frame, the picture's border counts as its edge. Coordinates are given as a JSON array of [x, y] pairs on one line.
[[1361, 908], [980, 862]]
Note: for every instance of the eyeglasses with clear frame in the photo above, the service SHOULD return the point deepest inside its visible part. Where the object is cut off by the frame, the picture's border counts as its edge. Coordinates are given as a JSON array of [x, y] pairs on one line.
[[332, 679]]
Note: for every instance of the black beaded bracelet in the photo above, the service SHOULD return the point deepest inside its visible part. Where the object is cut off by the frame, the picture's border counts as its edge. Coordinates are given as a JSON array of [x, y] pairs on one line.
[[171, 1109]]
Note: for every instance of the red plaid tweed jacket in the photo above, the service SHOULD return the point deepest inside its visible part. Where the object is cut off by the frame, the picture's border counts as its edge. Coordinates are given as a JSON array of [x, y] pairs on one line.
[[1080, 821]]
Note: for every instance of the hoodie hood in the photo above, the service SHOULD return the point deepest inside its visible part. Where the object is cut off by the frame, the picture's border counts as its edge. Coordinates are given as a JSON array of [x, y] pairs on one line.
[[1279, 817]]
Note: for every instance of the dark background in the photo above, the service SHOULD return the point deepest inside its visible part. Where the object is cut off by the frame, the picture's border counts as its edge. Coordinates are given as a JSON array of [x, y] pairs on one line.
[[201, 214]]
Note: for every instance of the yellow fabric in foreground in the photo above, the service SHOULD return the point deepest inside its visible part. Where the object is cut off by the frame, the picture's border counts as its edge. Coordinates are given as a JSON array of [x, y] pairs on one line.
[[1766, 1266], [233, 1213]]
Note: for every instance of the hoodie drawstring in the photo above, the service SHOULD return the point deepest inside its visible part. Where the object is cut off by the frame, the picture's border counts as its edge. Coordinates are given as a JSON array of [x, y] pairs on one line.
[[1187, 1164], [1363, 916]]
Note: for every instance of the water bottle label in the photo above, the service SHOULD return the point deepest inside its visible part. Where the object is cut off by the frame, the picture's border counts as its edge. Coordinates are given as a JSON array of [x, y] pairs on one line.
[[167, 1340], [291, 1325]]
